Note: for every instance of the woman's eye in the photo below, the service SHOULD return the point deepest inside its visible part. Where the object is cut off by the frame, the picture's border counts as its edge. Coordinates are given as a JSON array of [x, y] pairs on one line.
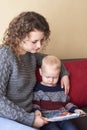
[[34, 42]]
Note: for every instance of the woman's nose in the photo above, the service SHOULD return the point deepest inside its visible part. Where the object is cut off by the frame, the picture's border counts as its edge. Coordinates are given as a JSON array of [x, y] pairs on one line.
[[39, 45]]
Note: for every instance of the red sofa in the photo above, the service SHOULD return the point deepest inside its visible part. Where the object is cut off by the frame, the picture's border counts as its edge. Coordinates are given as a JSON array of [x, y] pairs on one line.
[[78, 87]]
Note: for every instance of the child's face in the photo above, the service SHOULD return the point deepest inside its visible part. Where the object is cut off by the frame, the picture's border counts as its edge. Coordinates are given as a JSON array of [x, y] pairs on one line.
[[50, 76]]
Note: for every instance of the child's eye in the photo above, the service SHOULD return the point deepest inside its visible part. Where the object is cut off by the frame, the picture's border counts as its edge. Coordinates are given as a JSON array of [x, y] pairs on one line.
[[47, 77]]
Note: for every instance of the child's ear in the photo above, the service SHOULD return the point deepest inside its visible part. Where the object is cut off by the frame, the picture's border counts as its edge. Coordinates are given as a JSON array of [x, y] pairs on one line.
[[40, 71]]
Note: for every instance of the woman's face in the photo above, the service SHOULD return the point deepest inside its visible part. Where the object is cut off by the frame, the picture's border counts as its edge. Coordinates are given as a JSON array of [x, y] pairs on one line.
[[32, 43]]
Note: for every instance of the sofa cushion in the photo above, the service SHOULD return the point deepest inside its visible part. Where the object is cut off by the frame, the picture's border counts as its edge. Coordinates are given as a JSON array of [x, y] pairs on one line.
[[78, 81]]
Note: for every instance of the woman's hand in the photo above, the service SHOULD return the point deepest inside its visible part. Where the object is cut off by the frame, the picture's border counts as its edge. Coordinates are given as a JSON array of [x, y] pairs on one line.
[[65, 83], [38, 113], [39, 121]]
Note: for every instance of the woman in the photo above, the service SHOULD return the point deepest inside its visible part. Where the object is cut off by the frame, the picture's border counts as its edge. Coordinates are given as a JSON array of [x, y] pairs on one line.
[[19, 56]]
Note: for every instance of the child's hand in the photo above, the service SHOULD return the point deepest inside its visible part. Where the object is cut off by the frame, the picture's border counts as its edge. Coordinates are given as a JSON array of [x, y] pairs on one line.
[[79, 111]]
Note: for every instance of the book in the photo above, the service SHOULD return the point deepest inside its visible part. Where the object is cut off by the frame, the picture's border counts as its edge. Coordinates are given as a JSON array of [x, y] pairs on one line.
[[64, 116]]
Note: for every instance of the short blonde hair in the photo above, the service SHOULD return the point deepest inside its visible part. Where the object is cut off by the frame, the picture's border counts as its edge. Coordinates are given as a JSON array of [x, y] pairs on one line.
[[52, 61]]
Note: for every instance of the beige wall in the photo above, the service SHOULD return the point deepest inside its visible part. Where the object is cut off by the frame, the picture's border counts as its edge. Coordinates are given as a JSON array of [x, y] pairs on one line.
[[67, 19]]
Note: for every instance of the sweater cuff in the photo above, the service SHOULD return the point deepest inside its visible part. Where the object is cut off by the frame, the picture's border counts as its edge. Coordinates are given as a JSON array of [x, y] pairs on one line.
[[28, 119], [73, 108]]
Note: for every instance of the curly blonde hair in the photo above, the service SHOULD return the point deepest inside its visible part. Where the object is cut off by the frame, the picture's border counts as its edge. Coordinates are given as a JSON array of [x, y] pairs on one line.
[[22, 25]]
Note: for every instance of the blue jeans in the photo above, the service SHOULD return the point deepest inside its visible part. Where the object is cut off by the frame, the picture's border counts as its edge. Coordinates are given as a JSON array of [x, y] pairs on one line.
[[61, 125], [6, 124]]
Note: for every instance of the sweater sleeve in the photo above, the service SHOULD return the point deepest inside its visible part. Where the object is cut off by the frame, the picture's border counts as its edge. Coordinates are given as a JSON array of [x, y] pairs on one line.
[[63, 71], [69, 105], [9, 109]]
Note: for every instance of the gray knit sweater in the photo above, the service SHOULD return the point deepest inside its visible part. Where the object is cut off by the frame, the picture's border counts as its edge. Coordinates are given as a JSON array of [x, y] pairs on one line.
[[16, 85]]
